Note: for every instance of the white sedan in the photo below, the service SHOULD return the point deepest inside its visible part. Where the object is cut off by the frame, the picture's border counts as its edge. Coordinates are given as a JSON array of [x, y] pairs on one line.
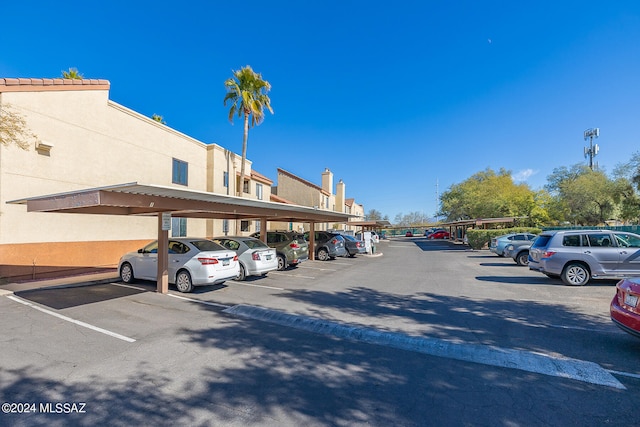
[[256, 258], [192, 262]]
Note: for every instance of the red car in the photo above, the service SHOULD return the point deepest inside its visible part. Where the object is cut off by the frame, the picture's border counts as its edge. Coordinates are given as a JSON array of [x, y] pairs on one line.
[[440, 234], [625, 306], [408, 234]]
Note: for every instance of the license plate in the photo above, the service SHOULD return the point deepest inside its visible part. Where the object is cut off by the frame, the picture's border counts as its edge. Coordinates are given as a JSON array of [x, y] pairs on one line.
[[225, 262], [631, 300], [268, 257]]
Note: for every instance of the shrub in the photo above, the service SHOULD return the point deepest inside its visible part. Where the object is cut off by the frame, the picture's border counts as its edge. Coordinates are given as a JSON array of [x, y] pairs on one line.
[[480, 238]]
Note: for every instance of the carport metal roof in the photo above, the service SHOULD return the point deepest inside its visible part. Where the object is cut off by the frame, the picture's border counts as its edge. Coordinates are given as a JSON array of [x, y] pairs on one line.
[[142, 199], [154, 200]]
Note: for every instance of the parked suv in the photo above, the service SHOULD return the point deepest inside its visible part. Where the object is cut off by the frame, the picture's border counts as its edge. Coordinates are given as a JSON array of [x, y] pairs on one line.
[[328, 245], [498, 243], [578, 255], [291, 247]]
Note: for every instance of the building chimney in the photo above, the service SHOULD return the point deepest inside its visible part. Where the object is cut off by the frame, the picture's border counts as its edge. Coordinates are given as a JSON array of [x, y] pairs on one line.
[[340, 194], [327, 181]]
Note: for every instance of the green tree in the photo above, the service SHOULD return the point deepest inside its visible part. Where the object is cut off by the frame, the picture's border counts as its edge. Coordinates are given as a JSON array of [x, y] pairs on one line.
[[583, 196], [13, 128], [373, 215], [72, 74], [247, 93], [488, 194], [158, 119]]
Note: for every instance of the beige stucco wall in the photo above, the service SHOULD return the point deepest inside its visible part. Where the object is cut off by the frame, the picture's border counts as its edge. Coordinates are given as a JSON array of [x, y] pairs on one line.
[[96, 142]]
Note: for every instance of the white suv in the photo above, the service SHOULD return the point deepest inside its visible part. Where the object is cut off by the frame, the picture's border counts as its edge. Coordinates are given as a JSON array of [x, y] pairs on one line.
[[578, 255]]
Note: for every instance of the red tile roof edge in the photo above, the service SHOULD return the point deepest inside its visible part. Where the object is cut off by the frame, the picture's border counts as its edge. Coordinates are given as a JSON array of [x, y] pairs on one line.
[[275, 198]]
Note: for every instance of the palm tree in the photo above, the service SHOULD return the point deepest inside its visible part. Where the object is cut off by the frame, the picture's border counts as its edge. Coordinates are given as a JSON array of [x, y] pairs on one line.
[[72, 74], [158, 119], [247, 93]]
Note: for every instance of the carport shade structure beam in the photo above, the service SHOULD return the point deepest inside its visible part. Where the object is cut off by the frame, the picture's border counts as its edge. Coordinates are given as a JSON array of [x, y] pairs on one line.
[[153, 200]]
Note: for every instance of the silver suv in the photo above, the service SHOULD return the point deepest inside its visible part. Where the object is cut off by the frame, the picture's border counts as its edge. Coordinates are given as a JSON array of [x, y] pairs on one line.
[[578, 255]]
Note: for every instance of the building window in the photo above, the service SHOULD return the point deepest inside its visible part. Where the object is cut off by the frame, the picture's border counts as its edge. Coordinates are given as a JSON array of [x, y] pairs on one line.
[[225, 178], [178, 227], [259, 191], [245, 186], [257, 225], [244, 225], [180, 172], [225, 226]]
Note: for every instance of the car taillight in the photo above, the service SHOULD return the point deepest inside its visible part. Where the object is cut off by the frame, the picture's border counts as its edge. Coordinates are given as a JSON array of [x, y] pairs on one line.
[[548, 254], [255, 256], [208, 261], [235, 257], [294, 245], [334, 241]]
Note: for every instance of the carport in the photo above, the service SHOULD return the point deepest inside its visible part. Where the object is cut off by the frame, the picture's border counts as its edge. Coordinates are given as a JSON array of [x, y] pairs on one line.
[[166, 202]]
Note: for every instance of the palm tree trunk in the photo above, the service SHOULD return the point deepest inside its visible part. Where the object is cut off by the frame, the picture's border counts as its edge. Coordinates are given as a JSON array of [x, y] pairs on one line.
[[244, 153], [240, 189]]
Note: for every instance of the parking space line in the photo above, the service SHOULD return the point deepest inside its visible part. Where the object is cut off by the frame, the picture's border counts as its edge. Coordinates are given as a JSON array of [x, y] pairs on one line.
[[300, 276], [317, 268], [74, 321], [539, 363], [258, 286], [214, 304], [129, 286]]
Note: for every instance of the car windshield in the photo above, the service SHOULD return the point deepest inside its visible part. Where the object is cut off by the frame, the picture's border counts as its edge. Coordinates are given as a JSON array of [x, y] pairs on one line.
[[206, 245]]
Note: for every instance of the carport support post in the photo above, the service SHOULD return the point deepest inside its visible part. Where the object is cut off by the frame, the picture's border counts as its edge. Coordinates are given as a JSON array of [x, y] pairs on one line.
[[263, 230], [312, 241], [163, 258]]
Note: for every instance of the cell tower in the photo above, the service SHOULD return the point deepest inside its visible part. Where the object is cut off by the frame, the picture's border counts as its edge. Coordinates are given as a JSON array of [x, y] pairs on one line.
[[592, 149]]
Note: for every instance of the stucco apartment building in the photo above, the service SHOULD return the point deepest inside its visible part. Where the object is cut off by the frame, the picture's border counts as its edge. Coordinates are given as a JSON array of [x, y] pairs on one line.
[[291, 188], [81, 139]]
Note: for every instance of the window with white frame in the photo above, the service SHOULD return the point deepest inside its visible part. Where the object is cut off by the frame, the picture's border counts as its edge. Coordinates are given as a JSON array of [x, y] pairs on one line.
[[225, 178], [259, 191], [178, 227]]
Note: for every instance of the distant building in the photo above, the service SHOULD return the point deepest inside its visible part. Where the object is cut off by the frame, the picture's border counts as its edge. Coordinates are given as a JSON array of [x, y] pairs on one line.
[[291, 188]]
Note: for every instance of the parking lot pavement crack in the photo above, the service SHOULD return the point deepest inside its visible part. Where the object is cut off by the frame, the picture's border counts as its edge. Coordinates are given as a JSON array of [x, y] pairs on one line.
[[539, 363]]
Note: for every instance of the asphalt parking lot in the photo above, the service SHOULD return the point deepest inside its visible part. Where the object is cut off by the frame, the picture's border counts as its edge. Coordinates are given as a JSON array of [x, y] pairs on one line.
[[425, 333]]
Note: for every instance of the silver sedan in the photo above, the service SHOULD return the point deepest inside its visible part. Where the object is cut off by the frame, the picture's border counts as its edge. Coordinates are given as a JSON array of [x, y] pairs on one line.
[[256, 258], [192, 262]]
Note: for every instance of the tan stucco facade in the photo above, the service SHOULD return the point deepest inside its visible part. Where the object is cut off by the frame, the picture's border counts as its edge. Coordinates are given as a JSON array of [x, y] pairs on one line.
[[86, 140], [300, 191]]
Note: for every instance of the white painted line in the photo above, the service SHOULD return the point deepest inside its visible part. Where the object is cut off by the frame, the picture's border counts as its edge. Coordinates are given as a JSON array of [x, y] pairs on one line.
[[625, 374], [214, 304], [76, 322], [317, 268], [128, 286], [574, 369], [292, 275], [258, 286]]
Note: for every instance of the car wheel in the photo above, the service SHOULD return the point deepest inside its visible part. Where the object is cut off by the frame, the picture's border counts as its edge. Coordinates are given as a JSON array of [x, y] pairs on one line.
[[183, 281], [126, 273], [523, 258], [282, 262], [323, 254], [242, 274], [575, 274]]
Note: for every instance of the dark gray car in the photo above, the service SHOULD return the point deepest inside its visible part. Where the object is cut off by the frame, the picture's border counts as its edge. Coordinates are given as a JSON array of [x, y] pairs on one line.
[[328, 245], [578, 255]]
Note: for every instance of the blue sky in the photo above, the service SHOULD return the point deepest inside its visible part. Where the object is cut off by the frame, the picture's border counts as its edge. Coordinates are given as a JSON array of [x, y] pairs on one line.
[[399, 99]]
